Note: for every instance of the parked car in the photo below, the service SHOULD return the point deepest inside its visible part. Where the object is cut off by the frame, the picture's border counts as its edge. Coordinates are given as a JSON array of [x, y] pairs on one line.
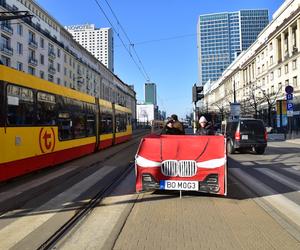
[[246, 134]]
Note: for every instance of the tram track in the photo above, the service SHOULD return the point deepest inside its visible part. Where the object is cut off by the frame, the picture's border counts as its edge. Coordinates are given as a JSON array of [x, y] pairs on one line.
[[86, 209], [41, 181], [62, 197]]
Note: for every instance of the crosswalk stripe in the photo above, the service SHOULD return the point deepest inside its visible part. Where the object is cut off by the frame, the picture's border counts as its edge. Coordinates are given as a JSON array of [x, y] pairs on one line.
[[19, 229], [34, 183], [293, 184], [287, 207]]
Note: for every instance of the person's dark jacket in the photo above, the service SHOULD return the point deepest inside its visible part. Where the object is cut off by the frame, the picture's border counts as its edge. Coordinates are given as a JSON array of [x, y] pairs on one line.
[[171, 131], [207, 130]]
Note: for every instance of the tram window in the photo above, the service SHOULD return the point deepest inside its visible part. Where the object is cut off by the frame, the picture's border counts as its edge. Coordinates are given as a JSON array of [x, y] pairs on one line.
[[64, 121], [20, 106], [46, 109], [90, 119], [129, 119], [64, 124], [1, 105], [121, 122], [106, 124], [78, 119]]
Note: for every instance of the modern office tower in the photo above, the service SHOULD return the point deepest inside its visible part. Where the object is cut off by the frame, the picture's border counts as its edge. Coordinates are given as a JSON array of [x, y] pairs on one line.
[[99, 42], [150, 93], [222, 36]]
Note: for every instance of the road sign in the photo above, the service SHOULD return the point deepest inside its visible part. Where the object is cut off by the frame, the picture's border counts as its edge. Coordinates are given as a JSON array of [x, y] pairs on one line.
[[290, 113], [289, 97], [290, 106], [289, 89]]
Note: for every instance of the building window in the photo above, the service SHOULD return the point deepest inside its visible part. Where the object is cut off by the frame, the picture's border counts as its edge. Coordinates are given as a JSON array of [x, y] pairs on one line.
[[5, 60], [19, 66], [31, 54], [295, 81], [42, 59], [42, 43], [286, 82], [20, 29], [58, 67], [31, 70], [271, 60], [279, 72], [271, 75], [294, 64], [58, 53], [20, 48], [271, 46], [58, 80], [31, 36], [286, 68], [50, 78], [42, 74]]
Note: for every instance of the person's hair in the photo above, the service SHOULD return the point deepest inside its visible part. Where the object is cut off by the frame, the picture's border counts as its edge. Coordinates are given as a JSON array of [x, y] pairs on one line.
[[174, 117]]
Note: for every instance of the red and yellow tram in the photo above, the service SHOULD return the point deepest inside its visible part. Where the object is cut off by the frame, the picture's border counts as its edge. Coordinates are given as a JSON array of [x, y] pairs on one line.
[[43, 124]]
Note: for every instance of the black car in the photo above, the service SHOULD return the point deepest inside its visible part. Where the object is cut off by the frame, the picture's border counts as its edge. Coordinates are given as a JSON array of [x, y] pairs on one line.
[[246, 134]]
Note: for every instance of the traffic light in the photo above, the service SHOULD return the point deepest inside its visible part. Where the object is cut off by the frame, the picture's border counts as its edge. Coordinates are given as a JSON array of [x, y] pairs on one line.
[[197, 93]]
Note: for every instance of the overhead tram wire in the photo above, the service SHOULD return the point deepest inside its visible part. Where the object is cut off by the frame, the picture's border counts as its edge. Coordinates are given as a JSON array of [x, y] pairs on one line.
[[165, 39], [142, 70], [130, 43]]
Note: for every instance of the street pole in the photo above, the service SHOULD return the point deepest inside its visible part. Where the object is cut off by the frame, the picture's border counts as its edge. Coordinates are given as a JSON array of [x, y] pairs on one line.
[[195, 118], [234, 94]]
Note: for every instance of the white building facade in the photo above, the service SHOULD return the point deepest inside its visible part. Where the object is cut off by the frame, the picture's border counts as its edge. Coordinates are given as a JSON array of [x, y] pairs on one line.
[[42, 47], [99, 42], [263, 71]]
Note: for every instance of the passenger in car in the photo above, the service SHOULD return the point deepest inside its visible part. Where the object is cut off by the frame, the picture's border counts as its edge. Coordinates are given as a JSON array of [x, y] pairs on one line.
[[205, 128]]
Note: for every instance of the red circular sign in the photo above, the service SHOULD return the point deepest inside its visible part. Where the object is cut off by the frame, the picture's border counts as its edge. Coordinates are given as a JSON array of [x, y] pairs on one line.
[[47, 140]]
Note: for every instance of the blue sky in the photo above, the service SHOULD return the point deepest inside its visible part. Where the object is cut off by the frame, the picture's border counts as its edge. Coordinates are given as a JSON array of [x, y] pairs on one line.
[[170, 63]]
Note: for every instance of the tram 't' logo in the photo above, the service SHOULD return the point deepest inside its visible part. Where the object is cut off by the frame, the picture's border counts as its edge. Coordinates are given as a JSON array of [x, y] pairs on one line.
[[47, 140]]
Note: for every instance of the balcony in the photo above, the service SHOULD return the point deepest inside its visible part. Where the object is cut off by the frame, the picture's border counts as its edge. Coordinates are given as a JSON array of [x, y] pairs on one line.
[[7, 28], [51, 70], [32, 61], [7, 49], [33, 44], [51, 54]]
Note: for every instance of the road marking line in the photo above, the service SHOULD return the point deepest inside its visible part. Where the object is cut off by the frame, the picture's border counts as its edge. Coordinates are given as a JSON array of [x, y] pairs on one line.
[[287, 207], [19, 229]]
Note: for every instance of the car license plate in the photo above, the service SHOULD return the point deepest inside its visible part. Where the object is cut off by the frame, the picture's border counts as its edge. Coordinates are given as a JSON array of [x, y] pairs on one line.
[[179, 185], [244, 137]]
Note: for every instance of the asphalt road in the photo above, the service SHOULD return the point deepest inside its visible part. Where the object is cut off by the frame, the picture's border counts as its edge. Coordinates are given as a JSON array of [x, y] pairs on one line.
[[261, 210], [262, 189]]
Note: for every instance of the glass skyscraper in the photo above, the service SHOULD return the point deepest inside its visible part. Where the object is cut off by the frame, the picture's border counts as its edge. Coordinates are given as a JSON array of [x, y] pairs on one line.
[[222, 36], [150, 93]]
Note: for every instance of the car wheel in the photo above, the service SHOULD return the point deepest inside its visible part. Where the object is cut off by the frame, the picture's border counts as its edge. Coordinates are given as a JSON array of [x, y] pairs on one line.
[[259, 150], [230, 148]]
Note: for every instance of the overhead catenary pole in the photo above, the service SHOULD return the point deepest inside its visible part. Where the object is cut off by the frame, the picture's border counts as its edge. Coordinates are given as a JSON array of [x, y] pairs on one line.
[[234, 92], [194, 119]]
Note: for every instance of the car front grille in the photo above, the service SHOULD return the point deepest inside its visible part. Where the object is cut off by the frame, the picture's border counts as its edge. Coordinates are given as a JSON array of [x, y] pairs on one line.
[[184, 168]]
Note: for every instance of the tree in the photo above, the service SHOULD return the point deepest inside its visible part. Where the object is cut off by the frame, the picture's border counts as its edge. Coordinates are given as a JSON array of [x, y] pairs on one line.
[[270, 99]]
